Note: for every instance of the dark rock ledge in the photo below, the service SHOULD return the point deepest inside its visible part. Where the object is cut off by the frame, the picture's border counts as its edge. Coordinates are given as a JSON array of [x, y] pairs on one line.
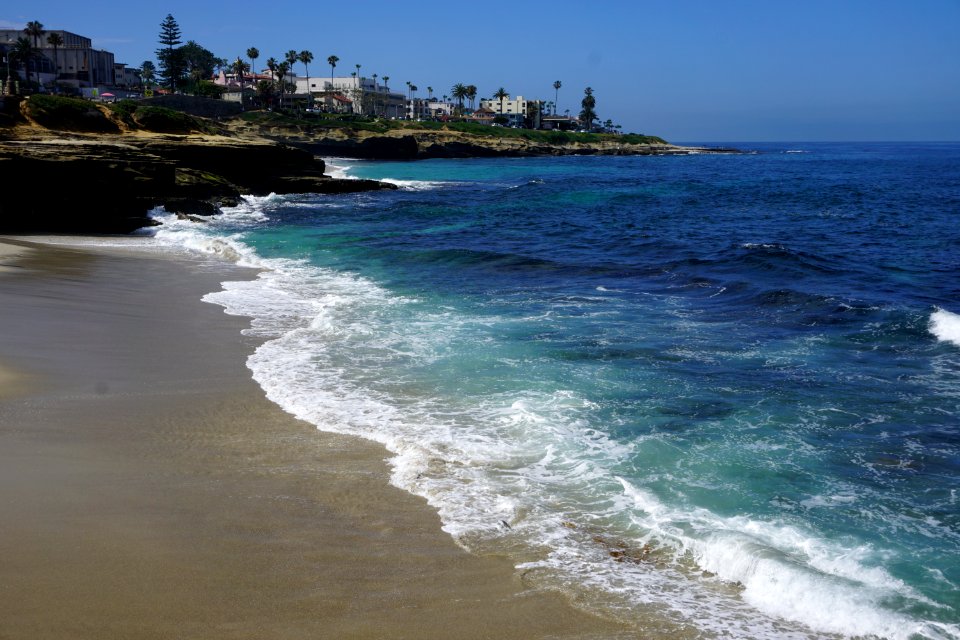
[[108, 185]]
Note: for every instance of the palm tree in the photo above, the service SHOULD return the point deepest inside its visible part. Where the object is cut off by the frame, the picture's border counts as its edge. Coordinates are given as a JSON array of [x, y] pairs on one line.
[[55, 40], [272, 66], [253, 53], [306, 58], [556, 95], [472, 95], [353, 92], [430, 93], [386, 96], [459, 91], [413, 94], [332, 61], [359, 77], [34, 30], [283, 68], [147, 72], [588, 115], [291, 58], [501, 94], [23, 51], [239, 67]]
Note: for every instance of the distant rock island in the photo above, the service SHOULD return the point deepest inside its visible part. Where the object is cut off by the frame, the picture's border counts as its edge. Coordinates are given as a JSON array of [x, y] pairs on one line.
[[100, 168]]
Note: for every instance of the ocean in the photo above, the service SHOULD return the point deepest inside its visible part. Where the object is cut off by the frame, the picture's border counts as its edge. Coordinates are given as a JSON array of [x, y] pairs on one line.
[[715, 395]]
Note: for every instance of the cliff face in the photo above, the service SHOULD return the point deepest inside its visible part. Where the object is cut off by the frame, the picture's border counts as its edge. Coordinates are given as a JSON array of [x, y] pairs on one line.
[[417, 144], [74, 166], [108, 185], [104, 175]]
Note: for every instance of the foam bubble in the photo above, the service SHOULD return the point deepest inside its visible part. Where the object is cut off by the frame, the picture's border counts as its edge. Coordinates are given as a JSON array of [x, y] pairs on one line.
[[945, 326]]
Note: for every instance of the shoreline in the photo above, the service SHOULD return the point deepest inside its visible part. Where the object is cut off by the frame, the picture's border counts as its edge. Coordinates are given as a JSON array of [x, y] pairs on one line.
[[152, 490]]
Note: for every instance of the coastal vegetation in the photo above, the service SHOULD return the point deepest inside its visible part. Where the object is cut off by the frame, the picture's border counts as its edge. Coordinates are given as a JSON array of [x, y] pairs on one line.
[[350, 122], [171, 64], [70, 114], [189, 68]]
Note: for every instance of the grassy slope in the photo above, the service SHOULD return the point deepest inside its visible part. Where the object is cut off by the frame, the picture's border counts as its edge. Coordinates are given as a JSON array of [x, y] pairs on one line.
[[319, 122], [73, 114]]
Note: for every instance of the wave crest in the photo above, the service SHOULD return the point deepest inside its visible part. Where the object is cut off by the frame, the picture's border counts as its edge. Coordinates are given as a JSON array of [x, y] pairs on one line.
[[945, 326]]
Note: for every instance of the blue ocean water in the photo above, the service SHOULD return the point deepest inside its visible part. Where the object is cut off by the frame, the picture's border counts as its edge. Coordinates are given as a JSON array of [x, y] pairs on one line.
[[714, 394]]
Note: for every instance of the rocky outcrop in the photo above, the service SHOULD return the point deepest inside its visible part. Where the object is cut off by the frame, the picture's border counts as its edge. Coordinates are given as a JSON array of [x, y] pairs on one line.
[[417, 144], [109, 184]]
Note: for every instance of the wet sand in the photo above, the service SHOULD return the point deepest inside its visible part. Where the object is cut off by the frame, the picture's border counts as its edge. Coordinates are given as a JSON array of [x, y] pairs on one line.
[[149, 490]]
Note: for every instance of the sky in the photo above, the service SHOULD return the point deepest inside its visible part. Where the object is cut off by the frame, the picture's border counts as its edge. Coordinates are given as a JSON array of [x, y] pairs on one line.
[[686, 70]]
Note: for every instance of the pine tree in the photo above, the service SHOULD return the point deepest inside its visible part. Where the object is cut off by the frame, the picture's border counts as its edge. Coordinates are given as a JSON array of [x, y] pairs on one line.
[[172, 66]]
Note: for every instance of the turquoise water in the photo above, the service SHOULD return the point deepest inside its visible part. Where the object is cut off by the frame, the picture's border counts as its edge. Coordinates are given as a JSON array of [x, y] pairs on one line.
[[712, 394]]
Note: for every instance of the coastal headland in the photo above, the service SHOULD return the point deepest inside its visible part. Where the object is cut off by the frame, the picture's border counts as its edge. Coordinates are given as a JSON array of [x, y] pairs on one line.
[[100, 170]]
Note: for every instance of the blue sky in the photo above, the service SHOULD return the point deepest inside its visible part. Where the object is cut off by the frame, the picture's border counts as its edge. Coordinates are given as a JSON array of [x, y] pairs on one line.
[[688, 70]]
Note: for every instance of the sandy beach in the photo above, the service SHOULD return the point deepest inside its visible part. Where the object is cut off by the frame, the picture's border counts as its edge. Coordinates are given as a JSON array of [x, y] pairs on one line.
[[149, 490]]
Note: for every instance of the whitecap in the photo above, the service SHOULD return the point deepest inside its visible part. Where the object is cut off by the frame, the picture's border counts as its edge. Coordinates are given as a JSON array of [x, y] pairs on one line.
[[945, 326], [417, 185]]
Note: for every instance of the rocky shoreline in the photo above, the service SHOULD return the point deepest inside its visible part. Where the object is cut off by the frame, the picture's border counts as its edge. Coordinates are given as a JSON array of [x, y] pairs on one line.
[[108, 184], [422, 144], [93, 170]]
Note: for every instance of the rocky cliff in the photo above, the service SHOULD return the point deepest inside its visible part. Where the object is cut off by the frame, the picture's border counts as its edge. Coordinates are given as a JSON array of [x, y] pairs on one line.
[[71, 182], [417, 144]]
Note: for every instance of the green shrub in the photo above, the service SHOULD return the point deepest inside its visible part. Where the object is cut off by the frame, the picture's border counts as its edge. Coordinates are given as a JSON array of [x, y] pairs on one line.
[[163, 120], [637, 138], [70, 114], [124, 110]]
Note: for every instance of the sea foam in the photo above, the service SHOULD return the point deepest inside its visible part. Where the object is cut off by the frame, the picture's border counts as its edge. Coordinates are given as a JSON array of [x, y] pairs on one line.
[[945, 326]]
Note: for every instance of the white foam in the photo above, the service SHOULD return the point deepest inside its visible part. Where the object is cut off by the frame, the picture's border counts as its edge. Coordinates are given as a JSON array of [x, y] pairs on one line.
[[945, 326], [788, 573], [339, 168], [417, 185]]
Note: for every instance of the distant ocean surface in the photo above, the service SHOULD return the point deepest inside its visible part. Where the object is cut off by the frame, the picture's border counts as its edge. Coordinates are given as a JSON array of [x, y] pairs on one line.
[[715, 394]]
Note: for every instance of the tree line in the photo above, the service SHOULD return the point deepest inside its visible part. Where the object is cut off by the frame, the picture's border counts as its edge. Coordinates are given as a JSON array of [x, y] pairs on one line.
[[189, 66]]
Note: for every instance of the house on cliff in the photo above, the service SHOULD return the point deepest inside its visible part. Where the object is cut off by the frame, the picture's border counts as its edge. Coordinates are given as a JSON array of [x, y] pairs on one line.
[[518, 111], [351, 94]]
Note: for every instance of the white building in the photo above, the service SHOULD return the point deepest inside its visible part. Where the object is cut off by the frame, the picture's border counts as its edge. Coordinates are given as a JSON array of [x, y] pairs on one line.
[[440, 109], [74, 64], [419, 109], [126, 77], [366, 96], [517, 111], [509, 105]]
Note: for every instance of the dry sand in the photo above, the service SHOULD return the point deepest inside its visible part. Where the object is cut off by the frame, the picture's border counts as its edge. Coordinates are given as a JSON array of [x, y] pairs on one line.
[[149, 490]]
